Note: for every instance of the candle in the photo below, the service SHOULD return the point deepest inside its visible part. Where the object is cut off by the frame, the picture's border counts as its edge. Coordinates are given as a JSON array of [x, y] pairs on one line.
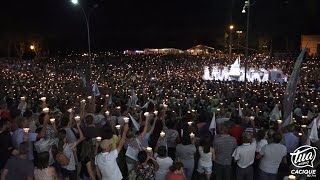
[[126, 119], [23, 98], [26, 130], [77, 118], [146, 114], [89, 97], [300, 134], [52, 120], [149, 149], [193, 110], [189, 123], [251, 117], [107, 95], [118, 107], [189, 112], [292, 177], [162, 134], [107, 113], [304, 126], [98, 138], [155, 112], [118, 127], [218, 109], [191, 135], [279, 121], [43, 98], [83, 101], [45, 110], [165, 105]]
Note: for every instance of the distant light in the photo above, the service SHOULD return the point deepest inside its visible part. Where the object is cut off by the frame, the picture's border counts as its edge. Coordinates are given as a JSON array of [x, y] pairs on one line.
[[74, 1], [239, 32], [243, 11], [231, 27], [32, 47]]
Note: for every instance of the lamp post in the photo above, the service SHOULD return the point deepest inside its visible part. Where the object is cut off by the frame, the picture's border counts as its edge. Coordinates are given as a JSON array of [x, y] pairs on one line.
[[76, 2], [246, 5], [231, 27], [239, 34]]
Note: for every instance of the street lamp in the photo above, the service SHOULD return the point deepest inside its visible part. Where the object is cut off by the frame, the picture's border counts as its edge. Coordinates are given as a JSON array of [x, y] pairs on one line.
[[231, 27], [76, 2], [239, 34], [246, 5]]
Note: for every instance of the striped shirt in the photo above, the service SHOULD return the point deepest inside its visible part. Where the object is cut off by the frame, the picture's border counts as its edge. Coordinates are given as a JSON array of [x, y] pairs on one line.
[[224, 146]]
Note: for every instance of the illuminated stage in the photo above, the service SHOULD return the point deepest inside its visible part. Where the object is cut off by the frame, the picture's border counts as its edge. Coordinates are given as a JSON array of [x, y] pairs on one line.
[[237, 73]]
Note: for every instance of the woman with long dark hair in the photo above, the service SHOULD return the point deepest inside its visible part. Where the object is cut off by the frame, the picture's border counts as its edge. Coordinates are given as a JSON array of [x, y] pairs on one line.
[[43, 171], [69, 169], [88, 170], [207, 155]]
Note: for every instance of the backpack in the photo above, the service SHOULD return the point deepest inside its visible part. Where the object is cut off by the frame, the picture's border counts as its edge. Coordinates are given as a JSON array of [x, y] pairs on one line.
[[59, 156]]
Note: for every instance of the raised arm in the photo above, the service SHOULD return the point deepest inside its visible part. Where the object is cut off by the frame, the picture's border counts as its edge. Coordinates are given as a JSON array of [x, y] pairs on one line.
[[145, 127], [44, 128], [153, 124], [81, 138], [123, 137]]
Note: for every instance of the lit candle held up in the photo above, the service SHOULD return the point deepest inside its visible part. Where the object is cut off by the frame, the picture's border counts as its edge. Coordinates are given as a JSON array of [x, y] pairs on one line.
[[45, 110], [149, 149], [77, 118], [98, 139], [162, 134], [118, 127], [52, 120], [191, 135], [26, 130], [126, 119]]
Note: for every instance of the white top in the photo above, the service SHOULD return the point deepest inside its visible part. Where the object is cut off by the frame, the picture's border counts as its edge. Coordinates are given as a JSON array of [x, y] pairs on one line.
[[272, 157], [107, 164], [244, 154], [164, 164], [260, 144], [67, 151], [205, 159]]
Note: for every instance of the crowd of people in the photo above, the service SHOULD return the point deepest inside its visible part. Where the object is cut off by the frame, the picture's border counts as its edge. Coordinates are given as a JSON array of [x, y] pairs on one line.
[[148, 117]]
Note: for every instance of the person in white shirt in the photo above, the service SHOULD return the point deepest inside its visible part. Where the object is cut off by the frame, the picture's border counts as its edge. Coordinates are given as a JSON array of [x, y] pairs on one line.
[[271, 156], [106, 161], [207, 155], [164, 163], [244, 155]]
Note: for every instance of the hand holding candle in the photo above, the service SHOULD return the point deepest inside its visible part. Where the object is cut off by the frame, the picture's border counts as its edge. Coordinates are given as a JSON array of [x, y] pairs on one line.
[[162, 134], [52, 120], [26, 130], [46, 110], [98, 139], [126, 119]]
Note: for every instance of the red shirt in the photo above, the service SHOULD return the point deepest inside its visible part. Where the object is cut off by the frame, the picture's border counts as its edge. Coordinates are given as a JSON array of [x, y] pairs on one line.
[[172, 176], [236, 132]]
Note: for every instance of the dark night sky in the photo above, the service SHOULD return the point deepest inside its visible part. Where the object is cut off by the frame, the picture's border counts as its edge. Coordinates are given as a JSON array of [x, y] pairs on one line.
[[121, 24]]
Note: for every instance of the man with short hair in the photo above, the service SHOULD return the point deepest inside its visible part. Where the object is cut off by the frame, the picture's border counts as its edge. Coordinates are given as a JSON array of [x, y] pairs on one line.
[[244, 155], [224, 145], [271, 156], [19, 167]]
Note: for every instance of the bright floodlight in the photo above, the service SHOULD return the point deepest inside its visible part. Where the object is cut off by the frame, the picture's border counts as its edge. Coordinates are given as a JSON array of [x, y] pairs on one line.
[[74, 1], [32, 47]]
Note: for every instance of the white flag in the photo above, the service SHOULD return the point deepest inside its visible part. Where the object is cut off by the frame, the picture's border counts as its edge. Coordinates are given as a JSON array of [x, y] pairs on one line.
[[288, 121], [314, 130], [310, 115], [240, 111], [213, 125], [135, 123], [95, 90], [275, 113]]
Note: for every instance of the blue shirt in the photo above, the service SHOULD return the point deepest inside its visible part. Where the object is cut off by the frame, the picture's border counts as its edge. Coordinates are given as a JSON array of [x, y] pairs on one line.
[[291, 142], [17, 139]]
